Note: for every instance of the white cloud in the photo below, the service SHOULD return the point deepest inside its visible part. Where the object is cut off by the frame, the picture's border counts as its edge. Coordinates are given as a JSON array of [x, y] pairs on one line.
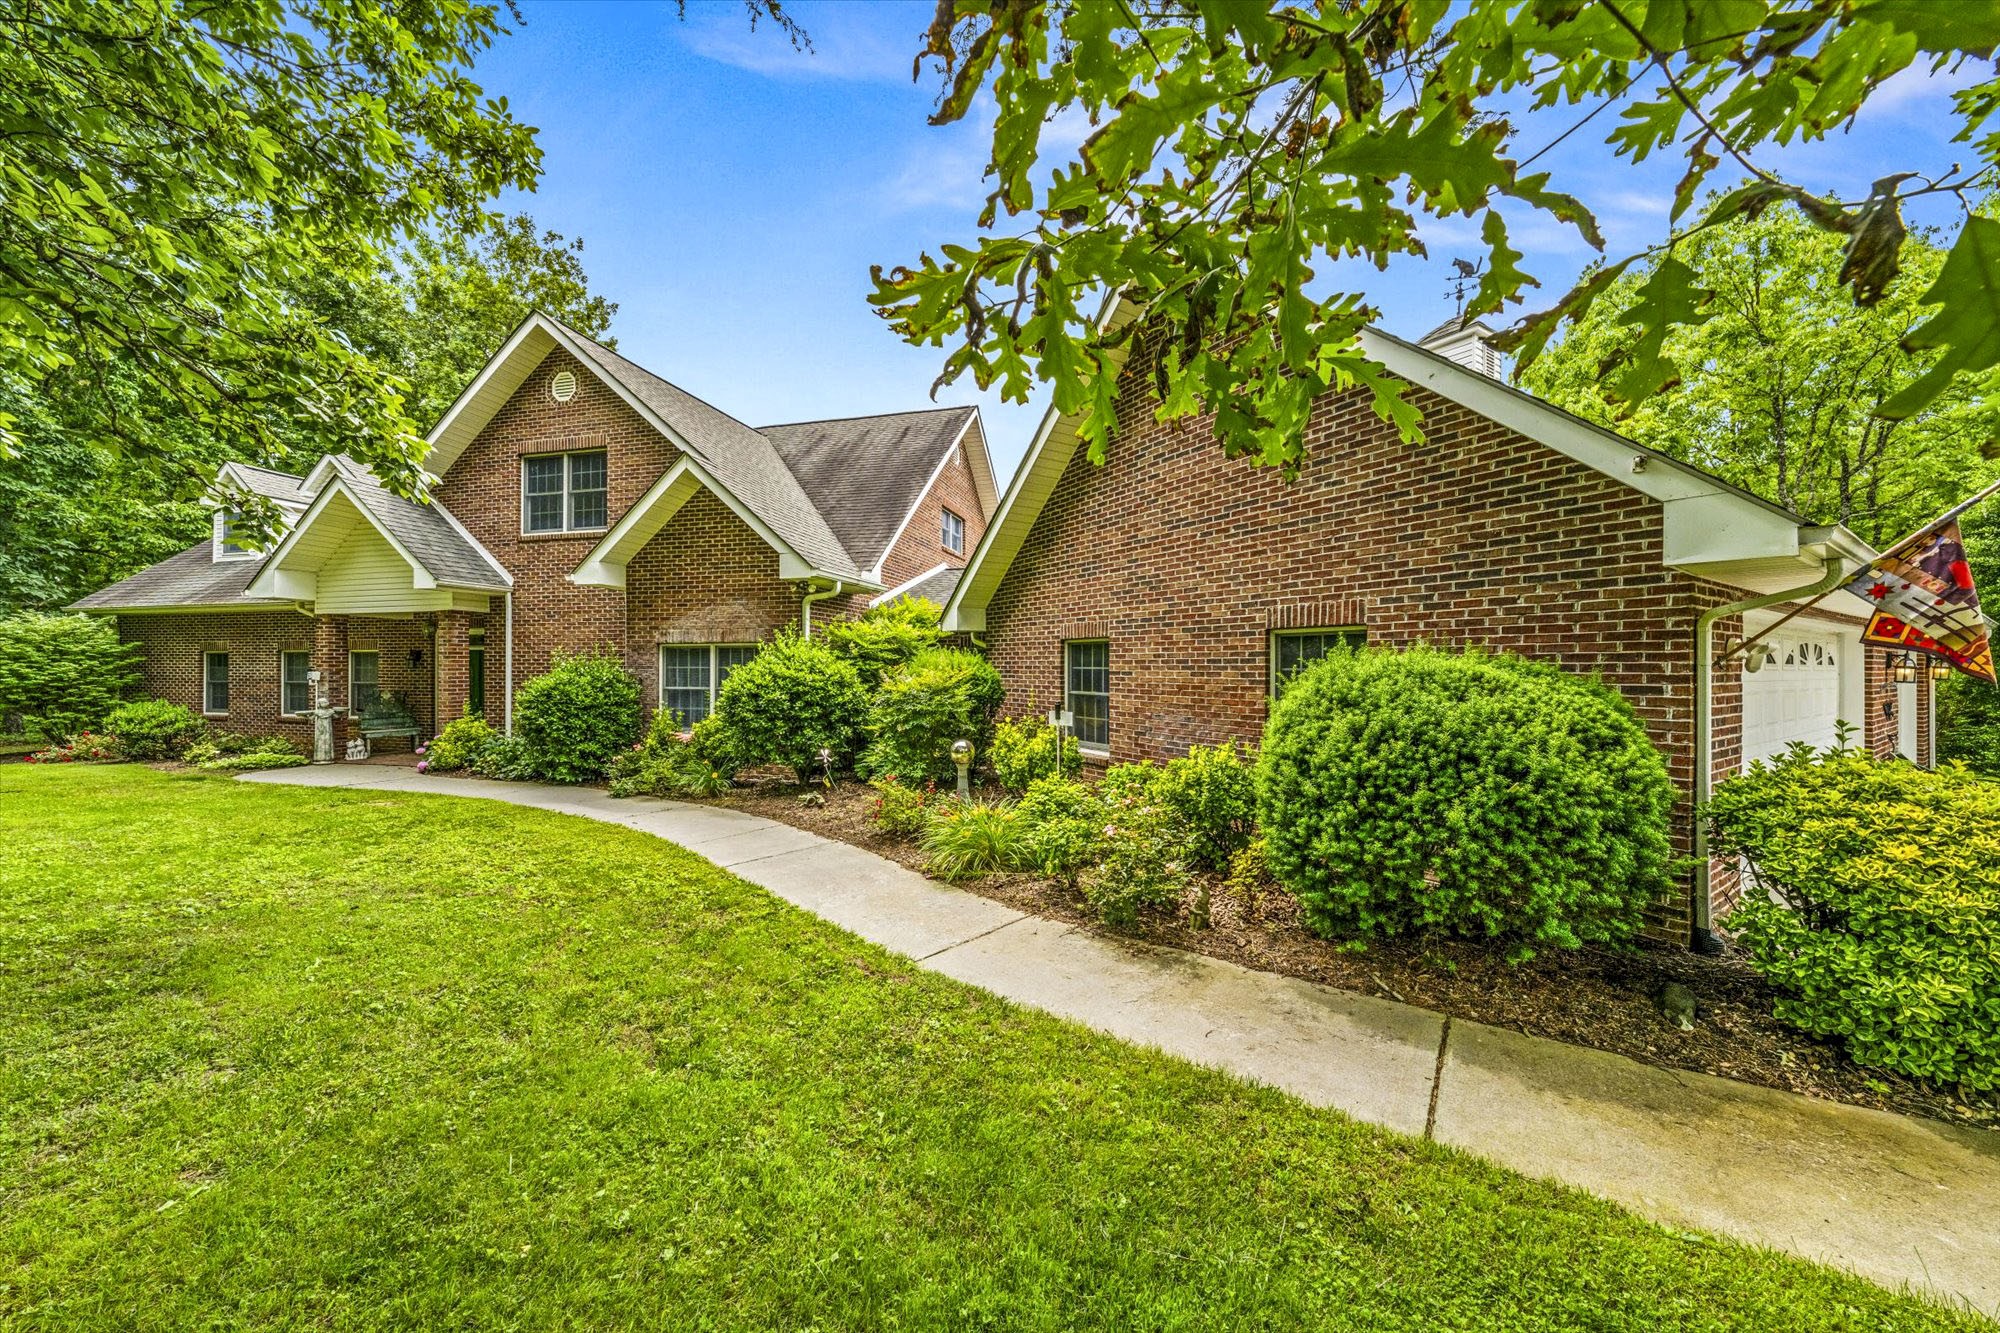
[[841, 49]]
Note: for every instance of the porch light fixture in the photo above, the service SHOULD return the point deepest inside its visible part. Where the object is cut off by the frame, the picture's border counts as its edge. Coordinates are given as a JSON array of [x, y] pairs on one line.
[[1940, 671], [1903, 668]]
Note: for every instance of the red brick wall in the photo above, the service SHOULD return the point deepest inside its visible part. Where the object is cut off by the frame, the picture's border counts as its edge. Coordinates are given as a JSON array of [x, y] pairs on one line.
[[172, 666], [482, 489], [1186, 561], [921, 546], [705, 578]]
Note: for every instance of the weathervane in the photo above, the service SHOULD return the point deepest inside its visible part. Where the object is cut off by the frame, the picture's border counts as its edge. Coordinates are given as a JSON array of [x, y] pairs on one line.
[[1463, 272]]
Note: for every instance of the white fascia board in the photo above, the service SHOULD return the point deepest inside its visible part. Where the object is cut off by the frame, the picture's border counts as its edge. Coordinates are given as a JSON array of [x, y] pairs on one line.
[[439, 455], [266, 582], [893, 593], [984, 483], [924, 494]]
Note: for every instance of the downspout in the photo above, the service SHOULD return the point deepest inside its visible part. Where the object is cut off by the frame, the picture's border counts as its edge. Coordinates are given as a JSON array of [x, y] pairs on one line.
[[806, 605], [507, 670], [1703, 939]]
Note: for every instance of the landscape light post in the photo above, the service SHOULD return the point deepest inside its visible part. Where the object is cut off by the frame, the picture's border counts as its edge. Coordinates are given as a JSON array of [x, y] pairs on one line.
[[961, 754]]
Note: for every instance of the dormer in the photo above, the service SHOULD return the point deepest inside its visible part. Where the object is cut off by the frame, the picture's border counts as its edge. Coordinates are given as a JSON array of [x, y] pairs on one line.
[[236, 486]]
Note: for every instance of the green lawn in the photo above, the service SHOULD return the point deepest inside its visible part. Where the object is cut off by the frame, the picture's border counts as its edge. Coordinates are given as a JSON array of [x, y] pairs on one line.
[[278, 1057]]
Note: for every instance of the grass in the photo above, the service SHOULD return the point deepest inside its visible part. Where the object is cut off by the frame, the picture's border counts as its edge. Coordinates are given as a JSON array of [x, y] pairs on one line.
[[280, 1057]]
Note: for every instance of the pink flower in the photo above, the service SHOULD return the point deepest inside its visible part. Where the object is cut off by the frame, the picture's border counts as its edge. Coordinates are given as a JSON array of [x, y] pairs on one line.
[[423, 765]]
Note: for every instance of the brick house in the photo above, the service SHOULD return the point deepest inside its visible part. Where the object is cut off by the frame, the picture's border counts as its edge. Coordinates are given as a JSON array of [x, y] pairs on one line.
[[577, 501], [1162, 596]]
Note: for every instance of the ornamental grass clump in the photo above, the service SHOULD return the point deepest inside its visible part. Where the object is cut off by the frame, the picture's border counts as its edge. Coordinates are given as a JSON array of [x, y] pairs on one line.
[[1479, 795], [1874, 906], [963, 839]]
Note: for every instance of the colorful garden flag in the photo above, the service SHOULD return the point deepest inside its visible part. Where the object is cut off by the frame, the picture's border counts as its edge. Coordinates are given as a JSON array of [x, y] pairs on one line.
[[1924, 602]]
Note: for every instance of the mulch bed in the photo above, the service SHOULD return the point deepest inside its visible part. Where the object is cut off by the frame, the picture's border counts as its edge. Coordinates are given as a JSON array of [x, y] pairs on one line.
[[1588, 997]]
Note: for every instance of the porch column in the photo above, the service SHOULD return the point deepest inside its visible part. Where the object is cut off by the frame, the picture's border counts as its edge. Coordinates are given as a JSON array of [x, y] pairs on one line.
[[329, 658], [454, 665]]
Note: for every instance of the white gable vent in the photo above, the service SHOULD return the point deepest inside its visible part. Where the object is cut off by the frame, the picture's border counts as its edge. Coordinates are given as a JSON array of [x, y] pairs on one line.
[[562, 386]]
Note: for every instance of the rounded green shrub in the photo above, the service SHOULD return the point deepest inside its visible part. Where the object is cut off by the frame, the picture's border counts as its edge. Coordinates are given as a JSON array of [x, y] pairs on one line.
[[1024, 749], [791, 701], [884, 637], [1065, 828], [147, 729], [1874, 906], [576, 717], [939, 696], [459, 744], [1485, 796], [63, 674], [1211, 794]]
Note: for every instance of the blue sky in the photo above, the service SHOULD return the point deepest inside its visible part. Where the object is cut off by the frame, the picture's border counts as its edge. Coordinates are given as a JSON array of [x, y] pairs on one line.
[[732, 194]]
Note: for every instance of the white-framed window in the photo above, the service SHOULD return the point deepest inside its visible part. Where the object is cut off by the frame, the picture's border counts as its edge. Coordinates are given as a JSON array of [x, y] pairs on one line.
[[364, 679], [953, 535], [691, 674], [1293, 650], [1087, 691], [215, 684], [227, 543], [565, 492], [294, 690]]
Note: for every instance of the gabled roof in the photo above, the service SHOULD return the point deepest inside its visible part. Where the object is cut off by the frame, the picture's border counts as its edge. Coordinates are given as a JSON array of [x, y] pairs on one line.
[[427, 533], [281, 487], [867, 474], [1711, 528], [730, 454], [194, 578]]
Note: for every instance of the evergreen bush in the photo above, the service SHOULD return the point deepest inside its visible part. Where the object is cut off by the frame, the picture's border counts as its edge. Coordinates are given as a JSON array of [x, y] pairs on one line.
[[576, 717]]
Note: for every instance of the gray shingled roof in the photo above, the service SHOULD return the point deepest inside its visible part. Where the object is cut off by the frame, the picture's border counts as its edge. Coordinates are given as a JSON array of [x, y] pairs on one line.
[[865, 473], [935, 587], [447, 554], [192, 578], [746, 463], [273, 484]]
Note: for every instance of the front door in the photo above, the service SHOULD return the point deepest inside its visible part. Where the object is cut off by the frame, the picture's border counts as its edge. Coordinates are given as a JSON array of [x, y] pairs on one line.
[[475, 674]]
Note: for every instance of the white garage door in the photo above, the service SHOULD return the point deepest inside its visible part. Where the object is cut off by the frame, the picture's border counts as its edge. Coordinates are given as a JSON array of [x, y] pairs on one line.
[[1795, 697]]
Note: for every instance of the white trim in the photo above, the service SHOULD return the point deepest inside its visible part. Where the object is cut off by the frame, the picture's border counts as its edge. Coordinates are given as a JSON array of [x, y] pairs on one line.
[[568, 469], [353, 653], [950, 453], [604, 568], [228, 685], [1090, 748], [283, 653], [534, 322], [907, 584], [275, 581], [219, 553], [714, 670], [947, 516], [1296, 632]]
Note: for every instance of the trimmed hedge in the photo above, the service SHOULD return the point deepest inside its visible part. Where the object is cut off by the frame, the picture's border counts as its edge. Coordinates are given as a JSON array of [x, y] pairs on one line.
[[792, 700], [1482, 795], [574, 719], [1875, 908], [154, 729]]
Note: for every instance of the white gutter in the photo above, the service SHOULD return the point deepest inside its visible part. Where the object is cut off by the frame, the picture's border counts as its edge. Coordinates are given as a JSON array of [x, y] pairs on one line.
[[806, 605]]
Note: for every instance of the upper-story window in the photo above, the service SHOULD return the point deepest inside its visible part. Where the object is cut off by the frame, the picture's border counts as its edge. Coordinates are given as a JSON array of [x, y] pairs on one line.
[[954, 533], [564, 492], [229, 537]]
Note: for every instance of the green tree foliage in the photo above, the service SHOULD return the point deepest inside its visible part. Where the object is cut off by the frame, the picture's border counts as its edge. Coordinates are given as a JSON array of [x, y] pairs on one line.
[[77, 511], [175, 173], [1485, 796], [886, 636], [1968, 710], [1881, 924], [62, 674], [1237, 150], [1779, 385]]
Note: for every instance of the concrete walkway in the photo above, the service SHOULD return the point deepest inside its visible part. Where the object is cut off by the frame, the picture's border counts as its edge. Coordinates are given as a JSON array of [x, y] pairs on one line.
[[1896, 1199]]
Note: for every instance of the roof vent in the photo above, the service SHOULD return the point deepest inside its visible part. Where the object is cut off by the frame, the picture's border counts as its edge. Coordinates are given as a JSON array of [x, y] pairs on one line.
[[562, 386]]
